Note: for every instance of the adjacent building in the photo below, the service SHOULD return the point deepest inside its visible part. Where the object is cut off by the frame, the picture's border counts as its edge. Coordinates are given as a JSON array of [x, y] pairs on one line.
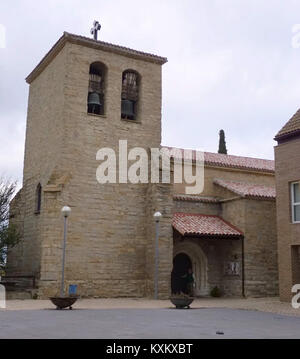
[[287, 166]]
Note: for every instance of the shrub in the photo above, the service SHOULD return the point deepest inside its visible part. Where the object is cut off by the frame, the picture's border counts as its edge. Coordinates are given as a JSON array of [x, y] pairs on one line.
[[216, 292]]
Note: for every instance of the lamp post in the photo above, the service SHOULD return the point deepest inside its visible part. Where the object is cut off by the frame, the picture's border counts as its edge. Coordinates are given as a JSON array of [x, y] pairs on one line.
[[157, 217], [66, 211]]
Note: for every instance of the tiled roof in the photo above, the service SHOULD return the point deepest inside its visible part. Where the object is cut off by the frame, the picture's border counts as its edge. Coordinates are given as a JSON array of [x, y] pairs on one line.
[[248, 190], [123, 49], [193, 198], [249, 163], [230, 161], [292, 127], [204, 225], [86, 41]]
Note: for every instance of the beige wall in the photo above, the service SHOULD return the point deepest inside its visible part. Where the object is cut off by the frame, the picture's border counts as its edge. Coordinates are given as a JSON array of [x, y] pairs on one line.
[[197, 207]]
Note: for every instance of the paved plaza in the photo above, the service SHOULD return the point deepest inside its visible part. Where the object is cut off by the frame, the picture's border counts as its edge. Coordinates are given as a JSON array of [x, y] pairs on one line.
[[142, 318]]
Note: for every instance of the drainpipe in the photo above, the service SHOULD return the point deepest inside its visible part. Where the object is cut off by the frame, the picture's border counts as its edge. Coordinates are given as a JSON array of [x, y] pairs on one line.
[[243, 267]]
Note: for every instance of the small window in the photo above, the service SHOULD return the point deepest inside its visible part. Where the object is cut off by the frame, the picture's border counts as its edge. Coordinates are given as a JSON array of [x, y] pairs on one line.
[[38, 199], [95, 100], [130, 95], [295, 196]]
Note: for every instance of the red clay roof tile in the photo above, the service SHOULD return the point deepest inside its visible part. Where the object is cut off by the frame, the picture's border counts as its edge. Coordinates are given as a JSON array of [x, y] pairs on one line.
[[229, 161], [204, 225], [248, 190]]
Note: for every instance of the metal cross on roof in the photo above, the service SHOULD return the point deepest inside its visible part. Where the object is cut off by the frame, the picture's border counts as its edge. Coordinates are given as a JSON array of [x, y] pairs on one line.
[[94, 30]]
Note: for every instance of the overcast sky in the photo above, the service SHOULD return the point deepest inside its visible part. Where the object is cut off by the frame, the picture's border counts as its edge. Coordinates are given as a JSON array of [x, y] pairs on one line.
[[231, 65]]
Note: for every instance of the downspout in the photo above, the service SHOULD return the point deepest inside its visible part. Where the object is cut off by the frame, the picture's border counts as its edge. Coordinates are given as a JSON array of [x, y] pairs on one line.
[[243, 267]]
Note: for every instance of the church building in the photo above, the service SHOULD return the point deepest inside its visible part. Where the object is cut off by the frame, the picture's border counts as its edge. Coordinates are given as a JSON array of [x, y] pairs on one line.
[[85, 95]]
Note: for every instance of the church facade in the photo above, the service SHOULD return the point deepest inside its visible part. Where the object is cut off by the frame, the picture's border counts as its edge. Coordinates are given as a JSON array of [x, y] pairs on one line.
[[85, 95]]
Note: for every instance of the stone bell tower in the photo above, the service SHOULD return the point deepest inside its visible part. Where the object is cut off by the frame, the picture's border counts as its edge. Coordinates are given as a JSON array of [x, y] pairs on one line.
[[84, 95]]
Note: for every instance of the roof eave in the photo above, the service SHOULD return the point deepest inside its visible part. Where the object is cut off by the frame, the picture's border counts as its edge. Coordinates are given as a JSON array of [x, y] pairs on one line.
[[100, 45], [237, 167], [261, 198], [213, 236], [285, 137]]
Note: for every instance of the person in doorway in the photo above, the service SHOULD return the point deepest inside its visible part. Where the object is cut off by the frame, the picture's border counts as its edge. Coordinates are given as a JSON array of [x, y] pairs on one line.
[[175, 282], [190, 282]]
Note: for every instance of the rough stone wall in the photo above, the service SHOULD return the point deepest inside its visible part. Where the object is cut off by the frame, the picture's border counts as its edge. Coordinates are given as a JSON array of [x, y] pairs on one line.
[[159, 198], [261, 262], [257, 220], [231, 251], [24, 258], [197, 207], [45, 122], [287, 169], [219, 251]]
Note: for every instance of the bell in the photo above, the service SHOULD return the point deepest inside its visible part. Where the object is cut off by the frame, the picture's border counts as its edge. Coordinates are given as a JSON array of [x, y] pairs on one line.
[[127, 108], [94, 99]]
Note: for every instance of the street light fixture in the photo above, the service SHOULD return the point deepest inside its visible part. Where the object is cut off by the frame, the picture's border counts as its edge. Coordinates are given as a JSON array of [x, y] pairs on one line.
[[66, 211], [157, 216], [63, 301]]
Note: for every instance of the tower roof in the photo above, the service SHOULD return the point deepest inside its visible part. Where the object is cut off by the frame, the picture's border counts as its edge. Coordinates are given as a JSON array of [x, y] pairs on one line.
[[100, 45], [290, 129]]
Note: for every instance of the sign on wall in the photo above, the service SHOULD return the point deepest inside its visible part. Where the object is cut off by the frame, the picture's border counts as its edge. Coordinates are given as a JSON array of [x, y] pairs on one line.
[[232, 268]]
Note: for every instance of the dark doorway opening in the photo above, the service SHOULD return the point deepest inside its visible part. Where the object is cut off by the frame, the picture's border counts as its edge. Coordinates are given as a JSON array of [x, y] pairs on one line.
[[181, 265]]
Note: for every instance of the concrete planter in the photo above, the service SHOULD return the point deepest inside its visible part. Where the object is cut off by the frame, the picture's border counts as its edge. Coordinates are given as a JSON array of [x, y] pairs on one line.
[[63, 302], [181, 302]]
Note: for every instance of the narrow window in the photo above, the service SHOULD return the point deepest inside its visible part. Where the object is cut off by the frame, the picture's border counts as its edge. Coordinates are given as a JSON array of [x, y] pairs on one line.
[[130, 95], [38, 199], [95, 101], [295, 196]]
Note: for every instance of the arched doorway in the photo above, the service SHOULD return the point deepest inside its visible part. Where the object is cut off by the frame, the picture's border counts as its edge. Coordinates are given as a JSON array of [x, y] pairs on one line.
[[181, 264], [198, 261]]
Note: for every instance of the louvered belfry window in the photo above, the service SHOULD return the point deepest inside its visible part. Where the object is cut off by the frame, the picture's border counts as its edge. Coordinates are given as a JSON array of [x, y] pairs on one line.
[[130, 95], [96, 90], [130, 86], [95, 83]]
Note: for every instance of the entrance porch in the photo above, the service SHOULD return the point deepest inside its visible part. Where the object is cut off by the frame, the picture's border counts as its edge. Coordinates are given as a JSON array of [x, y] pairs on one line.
[[213, 249]]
